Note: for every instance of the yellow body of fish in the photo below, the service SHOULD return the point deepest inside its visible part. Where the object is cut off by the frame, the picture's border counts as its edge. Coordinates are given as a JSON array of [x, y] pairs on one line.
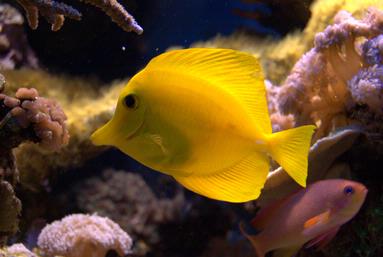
[[200, 115]]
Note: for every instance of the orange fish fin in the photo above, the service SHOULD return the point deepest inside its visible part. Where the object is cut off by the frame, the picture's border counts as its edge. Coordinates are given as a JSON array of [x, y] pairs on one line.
[[287, 252], [241, 182], [319, 219], [322, 240], [253, 240]]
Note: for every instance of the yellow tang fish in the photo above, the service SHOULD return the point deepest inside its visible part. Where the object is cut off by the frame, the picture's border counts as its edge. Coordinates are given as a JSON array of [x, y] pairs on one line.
[[200, 115]]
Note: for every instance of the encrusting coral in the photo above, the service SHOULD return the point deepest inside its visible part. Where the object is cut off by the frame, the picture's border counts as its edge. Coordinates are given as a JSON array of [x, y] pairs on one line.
[[82, 235], [55, 12]]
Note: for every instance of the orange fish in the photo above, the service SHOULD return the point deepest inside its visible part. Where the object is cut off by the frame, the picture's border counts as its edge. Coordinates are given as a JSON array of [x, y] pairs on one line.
[[310, 217]]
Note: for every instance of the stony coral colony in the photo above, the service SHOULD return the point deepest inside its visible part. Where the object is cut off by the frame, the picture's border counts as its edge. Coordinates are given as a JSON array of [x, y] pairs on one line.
[[337, 85]]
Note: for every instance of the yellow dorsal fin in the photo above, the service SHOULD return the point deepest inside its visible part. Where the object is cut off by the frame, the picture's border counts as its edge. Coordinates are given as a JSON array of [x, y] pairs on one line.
[[240, 183], [238, 73]]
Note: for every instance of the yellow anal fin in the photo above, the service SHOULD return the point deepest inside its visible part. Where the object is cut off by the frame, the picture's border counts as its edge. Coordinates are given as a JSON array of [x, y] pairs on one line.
[[290, 148], [238, 73], [240, 183]]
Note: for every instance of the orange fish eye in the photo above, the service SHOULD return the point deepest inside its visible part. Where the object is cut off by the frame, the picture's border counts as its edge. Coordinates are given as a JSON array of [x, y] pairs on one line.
[[348, 190]]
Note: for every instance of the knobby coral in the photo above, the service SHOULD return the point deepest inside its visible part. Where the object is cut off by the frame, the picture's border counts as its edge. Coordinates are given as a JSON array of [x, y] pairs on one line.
[[26, 117], [55, 12], [82, 235]]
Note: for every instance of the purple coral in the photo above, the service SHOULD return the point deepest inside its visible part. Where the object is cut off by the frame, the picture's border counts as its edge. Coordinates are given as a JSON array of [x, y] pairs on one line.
[[341, 71], [55, 12], [367, 87]]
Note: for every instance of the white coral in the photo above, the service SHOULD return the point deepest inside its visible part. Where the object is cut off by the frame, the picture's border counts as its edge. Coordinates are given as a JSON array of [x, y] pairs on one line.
[[81, 235]]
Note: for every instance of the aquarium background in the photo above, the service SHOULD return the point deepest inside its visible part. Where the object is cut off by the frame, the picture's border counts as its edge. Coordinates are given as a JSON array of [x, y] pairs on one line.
[[86, 59]]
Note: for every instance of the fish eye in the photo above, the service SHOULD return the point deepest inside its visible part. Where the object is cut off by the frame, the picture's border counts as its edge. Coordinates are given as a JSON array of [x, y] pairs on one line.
[[131, 101], [348, 190]]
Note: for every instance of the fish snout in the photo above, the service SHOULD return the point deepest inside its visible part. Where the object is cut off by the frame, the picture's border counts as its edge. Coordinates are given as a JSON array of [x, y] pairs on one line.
[[104, 135]]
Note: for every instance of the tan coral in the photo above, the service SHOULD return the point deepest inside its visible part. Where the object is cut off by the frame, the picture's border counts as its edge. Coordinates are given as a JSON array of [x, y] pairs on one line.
[[88, 104], [81, 235]]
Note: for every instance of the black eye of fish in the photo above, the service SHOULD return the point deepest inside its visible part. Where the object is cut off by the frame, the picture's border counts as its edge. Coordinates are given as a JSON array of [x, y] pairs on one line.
[[130, 101], [348, 190]]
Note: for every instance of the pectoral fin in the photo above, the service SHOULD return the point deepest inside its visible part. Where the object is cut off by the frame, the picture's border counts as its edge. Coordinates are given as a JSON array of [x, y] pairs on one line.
[[316, 222], [322, 240]]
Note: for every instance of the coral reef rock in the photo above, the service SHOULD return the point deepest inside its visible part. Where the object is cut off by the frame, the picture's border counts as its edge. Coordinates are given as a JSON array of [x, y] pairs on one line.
[[81, 235], [126, 198], [10, 208], [25, 117]]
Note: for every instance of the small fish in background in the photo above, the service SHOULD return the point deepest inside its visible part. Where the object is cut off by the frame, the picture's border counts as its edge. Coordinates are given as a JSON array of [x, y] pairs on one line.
[[201, 116], [310, 217]]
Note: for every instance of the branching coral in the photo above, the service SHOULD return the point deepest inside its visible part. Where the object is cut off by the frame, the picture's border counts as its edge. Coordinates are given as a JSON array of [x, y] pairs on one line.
[[55, 12], [81, 235]]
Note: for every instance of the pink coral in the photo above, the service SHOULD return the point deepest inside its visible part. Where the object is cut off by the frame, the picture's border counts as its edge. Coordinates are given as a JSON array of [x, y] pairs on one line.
[[44, 116], [81, 235]]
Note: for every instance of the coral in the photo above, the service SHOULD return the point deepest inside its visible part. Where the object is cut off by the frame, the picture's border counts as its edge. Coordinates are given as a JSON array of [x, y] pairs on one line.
[[31, 117], [26, 117], [16, 250], [14, 48], [81, 235], [126, 198], [55, 12], [87, 103], [333, 77]]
